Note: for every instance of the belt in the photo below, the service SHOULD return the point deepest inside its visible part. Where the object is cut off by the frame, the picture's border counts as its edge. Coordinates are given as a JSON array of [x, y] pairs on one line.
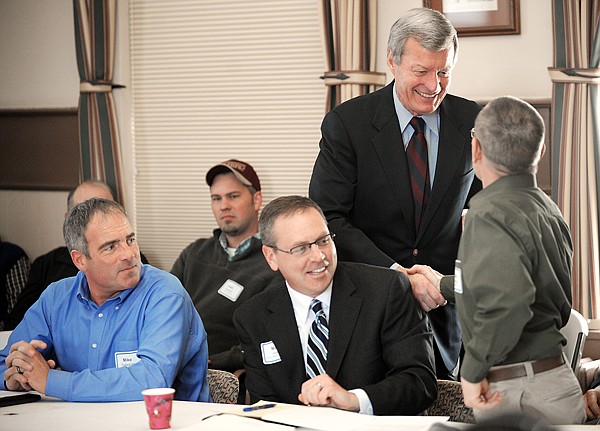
[[519, 370]]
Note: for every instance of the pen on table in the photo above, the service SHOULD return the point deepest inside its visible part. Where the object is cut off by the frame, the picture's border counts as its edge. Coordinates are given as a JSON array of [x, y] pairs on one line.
[[263, 406]]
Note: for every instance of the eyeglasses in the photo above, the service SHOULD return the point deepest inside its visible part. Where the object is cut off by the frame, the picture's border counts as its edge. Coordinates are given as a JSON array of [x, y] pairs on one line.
[[472, 132], [304, 249]]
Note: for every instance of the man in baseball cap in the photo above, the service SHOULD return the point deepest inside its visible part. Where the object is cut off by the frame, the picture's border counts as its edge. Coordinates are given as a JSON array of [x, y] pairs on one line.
[[243, 171], [223, 271]]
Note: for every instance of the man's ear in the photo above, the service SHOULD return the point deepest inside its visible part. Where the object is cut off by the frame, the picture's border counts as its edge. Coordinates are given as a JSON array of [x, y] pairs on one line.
[[543, 150], [78, 259], [257, 200], [390, 62], [476, 152], [270, 257]]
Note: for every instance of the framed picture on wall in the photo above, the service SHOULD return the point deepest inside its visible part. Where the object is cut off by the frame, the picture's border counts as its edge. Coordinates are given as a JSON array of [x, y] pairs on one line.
[[480, 17]]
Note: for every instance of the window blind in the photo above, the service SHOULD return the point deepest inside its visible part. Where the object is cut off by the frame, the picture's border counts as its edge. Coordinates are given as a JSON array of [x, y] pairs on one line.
[[213, 80]]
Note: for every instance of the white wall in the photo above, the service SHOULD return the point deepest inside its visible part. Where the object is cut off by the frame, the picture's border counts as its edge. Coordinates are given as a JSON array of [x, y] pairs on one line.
[[38, 70], [37, 48]]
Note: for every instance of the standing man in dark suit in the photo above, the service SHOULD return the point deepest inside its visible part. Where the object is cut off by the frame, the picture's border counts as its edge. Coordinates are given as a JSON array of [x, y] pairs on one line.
[[362, 177], [366, 347]]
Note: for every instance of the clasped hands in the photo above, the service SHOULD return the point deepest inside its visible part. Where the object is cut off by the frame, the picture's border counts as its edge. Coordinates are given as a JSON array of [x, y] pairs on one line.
[[325, 392], [425, 285], [26, 368]]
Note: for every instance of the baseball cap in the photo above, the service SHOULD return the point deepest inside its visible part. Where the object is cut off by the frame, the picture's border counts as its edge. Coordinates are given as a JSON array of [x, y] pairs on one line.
[[243, 171]]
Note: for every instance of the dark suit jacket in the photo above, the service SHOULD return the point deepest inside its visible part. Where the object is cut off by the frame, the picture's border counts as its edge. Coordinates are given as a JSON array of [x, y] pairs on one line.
[[379, 341], [362, 183]]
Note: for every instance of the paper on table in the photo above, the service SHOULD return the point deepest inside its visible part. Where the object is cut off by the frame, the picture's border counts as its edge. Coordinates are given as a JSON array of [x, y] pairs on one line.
[[227, 422], [330, 419], [412, 423]]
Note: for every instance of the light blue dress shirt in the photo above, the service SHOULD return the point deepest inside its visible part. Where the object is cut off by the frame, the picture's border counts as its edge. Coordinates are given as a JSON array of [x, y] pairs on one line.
[[432, 136], [432, 133], [146, 337]]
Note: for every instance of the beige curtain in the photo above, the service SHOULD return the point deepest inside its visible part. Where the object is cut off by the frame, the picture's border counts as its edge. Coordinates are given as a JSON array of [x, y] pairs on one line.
[[348, 30], [576, 140]]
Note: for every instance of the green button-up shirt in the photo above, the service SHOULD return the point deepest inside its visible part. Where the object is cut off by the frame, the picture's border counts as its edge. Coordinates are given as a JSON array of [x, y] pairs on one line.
[[514, 292]]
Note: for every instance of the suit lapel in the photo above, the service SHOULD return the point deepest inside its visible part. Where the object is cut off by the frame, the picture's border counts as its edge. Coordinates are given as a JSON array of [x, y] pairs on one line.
[[343, 316], [281, 324], [389, 147], [451, 147]]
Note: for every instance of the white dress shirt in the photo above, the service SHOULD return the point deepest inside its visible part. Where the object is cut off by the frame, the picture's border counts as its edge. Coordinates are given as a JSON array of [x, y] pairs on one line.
[[305, 318]]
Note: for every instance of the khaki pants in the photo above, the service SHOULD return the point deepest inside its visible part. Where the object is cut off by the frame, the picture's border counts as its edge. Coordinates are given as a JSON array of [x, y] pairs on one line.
[[554, 396]]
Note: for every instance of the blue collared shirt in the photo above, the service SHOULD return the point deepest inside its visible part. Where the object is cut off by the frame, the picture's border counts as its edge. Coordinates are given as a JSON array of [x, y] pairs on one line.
[[146, 337], [432, 132]]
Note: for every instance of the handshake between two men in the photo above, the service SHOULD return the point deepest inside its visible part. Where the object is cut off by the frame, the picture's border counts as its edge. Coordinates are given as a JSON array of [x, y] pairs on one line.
[[425, 285]]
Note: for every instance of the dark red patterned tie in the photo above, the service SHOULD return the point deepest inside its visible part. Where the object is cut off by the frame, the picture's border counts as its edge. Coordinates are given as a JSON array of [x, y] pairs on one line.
[[416, 152]]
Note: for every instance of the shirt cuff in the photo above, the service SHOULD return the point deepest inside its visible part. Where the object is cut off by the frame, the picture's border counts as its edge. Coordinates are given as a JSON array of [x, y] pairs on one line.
[[447, 288], [396, 266], [58, 384], [472, 370], [366, 408]]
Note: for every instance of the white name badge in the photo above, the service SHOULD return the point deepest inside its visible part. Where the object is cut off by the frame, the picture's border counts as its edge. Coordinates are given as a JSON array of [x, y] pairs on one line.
[[270, 355], [231, 290], [458, 287], [126, 359]]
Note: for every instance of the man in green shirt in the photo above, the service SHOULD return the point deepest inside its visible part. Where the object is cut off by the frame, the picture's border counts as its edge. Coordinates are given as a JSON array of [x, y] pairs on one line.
[[512, 282]]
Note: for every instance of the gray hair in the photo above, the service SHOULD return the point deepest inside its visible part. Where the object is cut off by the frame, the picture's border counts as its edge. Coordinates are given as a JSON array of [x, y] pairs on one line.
[[78, 218], [430, 28], [91, 183], [511, 133], [280, 207]]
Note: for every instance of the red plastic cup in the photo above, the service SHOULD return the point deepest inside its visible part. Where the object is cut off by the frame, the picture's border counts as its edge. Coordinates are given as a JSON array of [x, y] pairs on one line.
[[159, 402]]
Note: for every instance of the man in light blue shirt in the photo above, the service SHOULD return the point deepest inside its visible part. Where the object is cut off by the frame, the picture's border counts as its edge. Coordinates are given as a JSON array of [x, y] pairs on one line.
[[115, 329]]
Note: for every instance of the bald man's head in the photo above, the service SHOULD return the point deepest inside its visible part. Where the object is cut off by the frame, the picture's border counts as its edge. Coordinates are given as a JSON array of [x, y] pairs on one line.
[[88, 190]]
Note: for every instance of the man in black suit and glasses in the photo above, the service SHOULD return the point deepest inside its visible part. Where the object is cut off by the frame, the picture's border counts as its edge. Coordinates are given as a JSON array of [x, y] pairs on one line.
[[343, 335]]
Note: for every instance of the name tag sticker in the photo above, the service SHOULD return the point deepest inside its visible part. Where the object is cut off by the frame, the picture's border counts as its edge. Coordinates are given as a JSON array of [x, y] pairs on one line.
[[126, 359], [458, 287], [270, 355], [231, 290]]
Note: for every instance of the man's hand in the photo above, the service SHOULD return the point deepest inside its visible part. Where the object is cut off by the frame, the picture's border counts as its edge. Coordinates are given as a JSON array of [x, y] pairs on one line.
[[590, 401], [324, 391], [26, 368], [479, 396], [14, 380], [425, 284], [433, 276]]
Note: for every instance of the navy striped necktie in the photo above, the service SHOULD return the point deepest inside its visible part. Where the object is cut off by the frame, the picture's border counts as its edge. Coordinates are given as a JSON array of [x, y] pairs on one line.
[[318, 339], [416, 153]]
